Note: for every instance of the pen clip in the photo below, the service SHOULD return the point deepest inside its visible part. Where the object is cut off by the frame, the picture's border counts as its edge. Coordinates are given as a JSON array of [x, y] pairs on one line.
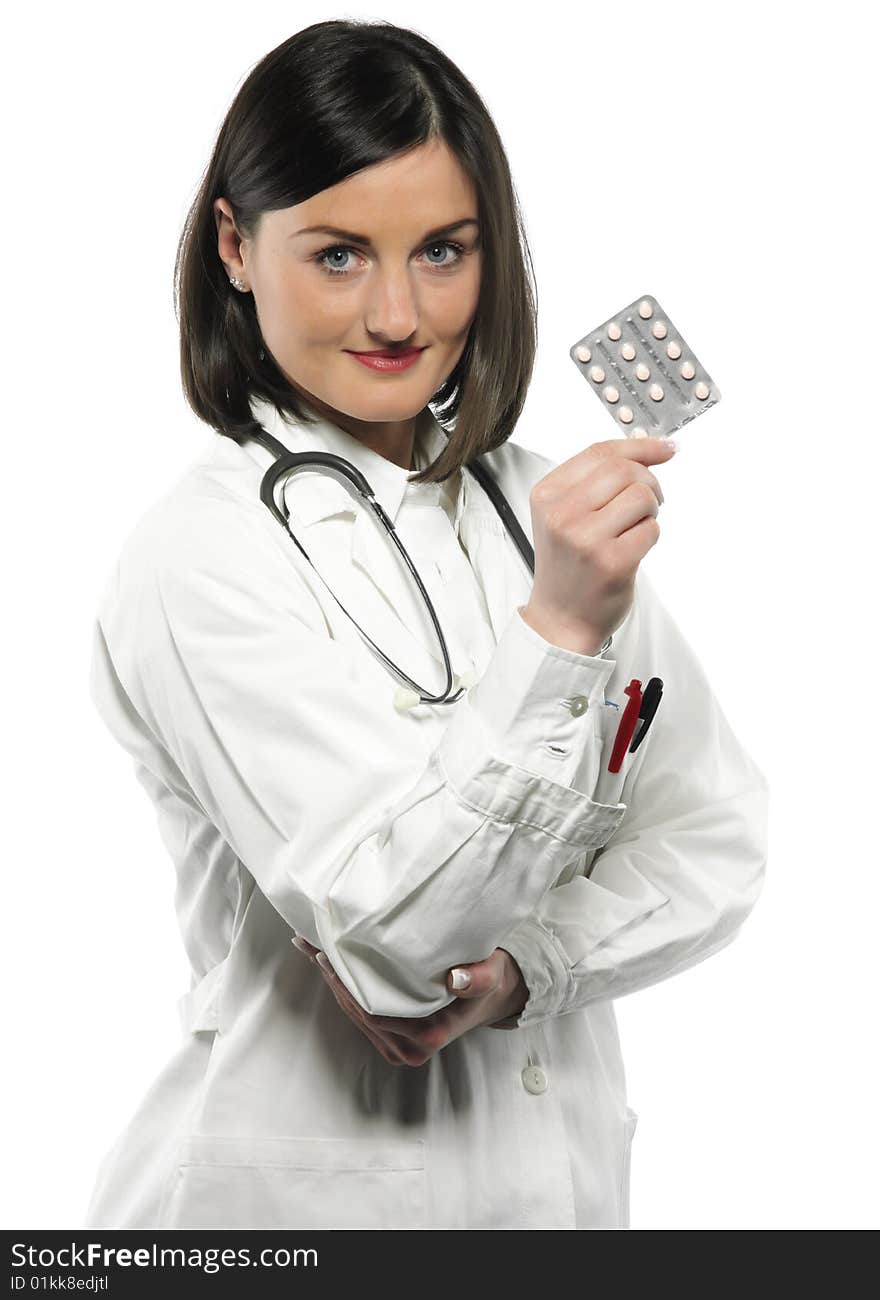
[[627, 724], [650, 699]]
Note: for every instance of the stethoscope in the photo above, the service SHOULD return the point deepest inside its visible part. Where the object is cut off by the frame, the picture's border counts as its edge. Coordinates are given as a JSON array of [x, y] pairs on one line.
[[291, 462]]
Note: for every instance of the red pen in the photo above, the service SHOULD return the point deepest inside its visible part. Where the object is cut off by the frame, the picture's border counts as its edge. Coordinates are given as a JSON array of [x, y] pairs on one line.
[[627, 724]]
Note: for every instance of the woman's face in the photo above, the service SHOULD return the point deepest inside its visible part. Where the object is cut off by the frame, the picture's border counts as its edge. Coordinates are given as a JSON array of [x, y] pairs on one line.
[[391, 284]]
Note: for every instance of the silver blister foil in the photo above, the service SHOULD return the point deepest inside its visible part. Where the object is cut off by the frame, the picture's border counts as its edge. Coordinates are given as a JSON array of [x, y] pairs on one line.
[[643, 372]]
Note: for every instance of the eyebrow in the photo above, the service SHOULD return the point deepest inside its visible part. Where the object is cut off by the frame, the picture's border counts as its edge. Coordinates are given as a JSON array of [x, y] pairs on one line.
[[363, 239]]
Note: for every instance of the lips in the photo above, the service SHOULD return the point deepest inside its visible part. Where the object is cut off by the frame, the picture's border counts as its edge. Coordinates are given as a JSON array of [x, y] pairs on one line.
[[392, 354], [387, 360]]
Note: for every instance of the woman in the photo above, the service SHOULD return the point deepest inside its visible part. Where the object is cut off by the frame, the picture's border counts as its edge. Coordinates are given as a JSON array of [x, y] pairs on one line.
[[312, 809]]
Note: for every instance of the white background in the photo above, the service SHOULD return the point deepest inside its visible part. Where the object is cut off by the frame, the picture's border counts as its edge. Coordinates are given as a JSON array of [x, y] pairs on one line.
[[718, 157]]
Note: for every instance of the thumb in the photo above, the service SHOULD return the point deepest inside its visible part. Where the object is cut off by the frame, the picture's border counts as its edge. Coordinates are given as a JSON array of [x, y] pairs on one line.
[[474, 980]]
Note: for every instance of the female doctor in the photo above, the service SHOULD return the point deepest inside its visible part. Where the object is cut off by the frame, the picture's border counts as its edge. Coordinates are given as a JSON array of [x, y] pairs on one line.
[[347, 854]]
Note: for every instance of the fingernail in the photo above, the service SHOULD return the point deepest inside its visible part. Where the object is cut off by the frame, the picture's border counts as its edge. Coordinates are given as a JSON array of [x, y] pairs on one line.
[[461, 978], [300, 943], [672, 444], [324, 962]]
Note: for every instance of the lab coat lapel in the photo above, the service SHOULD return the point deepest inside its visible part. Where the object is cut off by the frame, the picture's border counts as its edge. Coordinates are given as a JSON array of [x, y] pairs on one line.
[[360, 563], [386, 588], [374, 554], [505, 580], [350, 549], [494, 557]]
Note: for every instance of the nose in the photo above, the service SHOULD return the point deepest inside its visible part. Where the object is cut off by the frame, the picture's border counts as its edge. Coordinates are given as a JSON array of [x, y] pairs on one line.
[[392, 312]]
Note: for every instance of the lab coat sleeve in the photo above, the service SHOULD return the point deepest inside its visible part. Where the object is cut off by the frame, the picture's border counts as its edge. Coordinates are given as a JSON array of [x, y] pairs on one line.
[[398, 871], [675, 884], [542, 706]]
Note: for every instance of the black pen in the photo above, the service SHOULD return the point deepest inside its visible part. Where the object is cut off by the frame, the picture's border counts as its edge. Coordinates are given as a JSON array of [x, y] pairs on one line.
[[650, 699]]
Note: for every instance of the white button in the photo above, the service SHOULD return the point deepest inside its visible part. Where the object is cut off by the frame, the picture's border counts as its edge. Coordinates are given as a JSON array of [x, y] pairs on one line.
[[673, 349], [627, 351], [577, 705], [656, 392], [702, 390], [642, 371], [646, 311], [687, 371], [613, 331], [534, 1079], [597, 374], [582, 352], [658, 329], [610, 393]]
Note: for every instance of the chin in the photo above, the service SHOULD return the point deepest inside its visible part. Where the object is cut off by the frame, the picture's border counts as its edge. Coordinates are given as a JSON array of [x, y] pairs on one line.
[[380, 410]]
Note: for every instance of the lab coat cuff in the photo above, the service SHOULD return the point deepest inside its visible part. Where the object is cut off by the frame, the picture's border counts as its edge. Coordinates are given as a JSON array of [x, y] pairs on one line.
[[543, 706], [504, 791], [545, 968]]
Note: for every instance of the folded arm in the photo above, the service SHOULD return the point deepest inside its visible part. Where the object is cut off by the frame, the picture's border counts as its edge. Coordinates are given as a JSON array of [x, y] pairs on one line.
[[397, 863]]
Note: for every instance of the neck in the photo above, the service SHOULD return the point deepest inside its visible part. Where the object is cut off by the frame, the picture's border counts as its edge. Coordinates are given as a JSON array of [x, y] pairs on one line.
[[394, 440], [397, 446]]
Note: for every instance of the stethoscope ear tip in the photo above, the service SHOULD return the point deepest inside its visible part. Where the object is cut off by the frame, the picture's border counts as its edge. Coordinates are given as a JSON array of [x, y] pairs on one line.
[[405, 698]]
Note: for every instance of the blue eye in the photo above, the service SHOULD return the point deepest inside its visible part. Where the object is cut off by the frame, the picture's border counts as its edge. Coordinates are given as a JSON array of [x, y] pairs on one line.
[[337, 248], [445, 243], [333, 249]]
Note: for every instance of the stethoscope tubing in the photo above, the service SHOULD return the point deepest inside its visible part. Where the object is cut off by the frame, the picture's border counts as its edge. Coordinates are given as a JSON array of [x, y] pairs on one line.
[[288, 462]]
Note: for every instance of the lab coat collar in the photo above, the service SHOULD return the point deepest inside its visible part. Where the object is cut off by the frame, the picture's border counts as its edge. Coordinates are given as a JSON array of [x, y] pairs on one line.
[[311, 497]]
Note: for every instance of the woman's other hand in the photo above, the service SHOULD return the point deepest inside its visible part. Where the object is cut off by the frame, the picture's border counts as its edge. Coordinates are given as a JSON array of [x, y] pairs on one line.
[[496, 990]]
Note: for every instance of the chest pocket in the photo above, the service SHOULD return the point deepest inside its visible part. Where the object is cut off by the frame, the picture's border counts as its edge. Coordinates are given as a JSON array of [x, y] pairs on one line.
[[610, 785], [296, 1182]]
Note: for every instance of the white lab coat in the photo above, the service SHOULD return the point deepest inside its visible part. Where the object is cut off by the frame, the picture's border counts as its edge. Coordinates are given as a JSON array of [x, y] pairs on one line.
[[293, 797]]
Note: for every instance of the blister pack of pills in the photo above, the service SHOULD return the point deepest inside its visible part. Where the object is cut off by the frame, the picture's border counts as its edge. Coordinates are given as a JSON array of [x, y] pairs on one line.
[[643, 372]]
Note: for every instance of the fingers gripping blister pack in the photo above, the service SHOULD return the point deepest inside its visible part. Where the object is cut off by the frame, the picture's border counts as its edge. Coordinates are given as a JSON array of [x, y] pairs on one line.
[[643, 372]]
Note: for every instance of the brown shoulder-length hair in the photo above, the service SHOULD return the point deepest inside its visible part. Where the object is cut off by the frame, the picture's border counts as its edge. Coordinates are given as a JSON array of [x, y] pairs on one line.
[[336, 97]]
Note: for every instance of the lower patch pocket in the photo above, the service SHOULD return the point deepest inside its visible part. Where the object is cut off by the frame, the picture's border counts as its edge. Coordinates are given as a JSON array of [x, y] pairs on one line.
[[296, 1182]]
